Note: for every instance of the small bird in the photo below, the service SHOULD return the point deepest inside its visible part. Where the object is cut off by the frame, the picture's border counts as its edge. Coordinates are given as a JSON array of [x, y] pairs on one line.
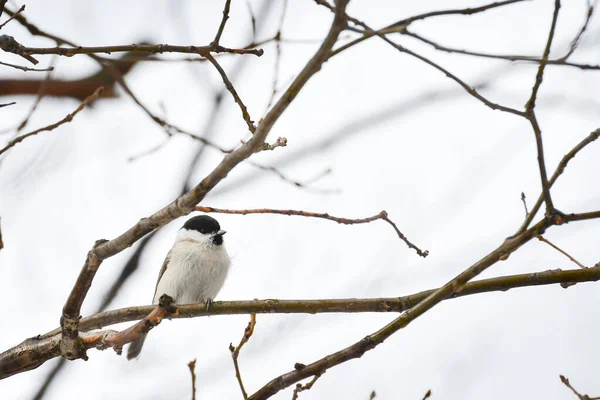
[[194, 270]]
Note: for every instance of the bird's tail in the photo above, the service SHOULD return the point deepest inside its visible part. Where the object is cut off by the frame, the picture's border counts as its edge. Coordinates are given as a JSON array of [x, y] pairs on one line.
[[135, 347]]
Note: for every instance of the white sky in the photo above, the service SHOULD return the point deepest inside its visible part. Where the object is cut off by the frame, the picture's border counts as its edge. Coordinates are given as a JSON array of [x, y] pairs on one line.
[[448, 170]]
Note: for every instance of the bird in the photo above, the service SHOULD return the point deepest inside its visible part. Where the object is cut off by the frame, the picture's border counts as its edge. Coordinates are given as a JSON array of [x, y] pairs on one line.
[[194, 270]]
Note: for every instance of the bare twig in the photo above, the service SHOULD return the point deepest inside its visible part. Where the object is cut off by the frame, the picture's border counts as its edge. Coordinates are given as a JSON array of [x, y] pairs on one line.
[[532, 59], [543, 239], [575, 42], [19, 11], [383, 215], [427, 395], [8, 104], [280, 142], [38, 98], [305, 184], [235, 352], [565, 380], [301, 388], [10, 45], [233, 92], [277, 39], [215, 42], [524, 200], [51, 127], [192, 367], [593, 136], [530, 114], [22, 68], [1, 242], [372, 395]]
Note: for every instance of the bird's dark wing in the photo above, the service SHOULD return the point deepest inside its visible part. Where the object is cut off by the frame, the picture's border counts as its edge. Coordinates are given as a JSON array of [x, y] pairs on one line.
[[162, 271]]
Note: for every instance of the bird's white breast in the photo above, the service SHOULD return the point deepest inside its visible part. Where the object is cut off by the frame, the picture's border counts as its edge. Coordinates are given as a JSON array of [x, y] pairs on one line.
[[197, 271]]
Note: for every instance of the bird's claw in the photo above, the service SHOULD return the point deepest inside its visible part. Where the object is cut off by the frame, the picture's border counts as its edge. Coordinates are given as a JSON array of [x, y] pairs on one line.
[[208, 301]]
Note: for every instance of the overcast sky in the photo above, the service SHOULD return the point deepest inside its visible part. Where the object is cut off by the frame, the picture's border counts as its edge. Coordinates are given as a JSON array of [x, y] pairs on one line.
[[448, 170]]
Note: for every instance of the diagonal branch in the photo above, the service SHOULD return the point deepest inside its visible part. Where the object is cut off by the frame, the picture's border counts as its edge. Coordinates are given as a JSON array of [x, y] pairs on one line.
[[453, 287], [233, 92], [215, 42]]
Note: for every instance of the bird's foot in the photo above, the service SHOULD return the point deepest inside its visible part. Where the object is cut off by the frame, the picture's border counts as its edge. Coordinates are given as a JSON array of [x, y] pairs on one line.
[[208, 301]]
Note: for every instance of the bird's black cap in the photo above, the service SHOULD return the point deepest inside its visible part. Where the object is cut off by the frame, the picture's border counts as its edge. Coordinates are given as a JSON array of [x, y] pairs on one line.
[[202, 224]]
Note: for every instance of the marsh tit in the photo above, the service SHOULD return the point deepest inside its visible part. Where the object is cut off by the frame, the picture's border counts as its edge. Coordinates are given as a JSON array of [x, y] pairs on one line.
[[194, 270]]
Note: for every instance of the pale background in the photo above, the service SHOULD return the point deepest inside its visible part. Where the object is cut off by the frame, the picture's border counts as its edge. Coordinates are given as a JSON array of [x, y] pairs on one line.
[[448, 170]]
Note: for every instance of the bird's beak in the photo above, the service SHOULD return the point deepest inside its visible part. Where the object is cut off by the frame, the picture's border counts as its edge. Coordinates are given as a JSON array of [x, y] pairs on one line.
[[221, 233]]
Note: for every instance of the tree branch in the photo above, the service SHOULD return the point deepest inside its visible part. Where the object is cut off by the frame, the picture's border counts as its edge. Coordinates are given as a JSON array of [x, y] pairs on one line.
[[383, 215], [530, 113], [593, 136], [47, 345], [51, 127]]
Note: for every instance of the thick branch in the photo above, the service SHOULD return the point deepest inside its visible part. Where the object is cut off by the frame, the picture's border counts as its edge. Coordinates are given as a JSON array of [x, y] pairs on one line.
[[47, 346], [35, 351]]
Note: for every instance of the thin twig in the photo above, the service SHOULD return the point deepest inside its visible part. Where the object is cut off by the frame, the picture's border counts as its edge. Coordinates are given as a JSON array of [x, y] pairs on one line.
[[565, 380], [543, 239], [8, 104], [593, 136], [233, 92], [142, 48], [252, 20], [23, 68], [1, 242], [383, 215], [557, 62], [427, 395], [530, 114], [19, 11], [301, 388], [51, 127], [215, 42], [277, 39], [235, 352], [38, 98], [575, 42], [192, 367], [524, 200]]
